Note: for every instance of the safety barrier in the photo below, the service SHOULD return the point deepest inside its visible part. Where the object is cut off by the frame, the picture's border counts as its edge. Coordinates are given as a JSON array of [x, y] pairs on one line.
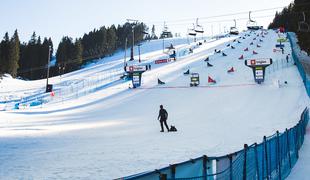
[[272, 159], [301, 59], [68, 90], [85, 86]]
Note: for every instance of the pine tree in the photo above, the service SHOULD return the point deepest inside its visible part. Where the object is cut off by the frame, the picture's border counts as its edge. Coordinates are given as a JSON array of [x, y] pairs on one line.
[[153, 36], [78, 53], [5, 49], [13, 60], [111, 40]]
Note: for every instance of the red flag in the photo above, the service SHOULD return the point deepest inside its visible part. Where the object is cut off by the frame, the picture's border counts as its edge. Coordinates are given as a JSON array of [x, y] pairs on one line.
[[231, 70], [210, 80]]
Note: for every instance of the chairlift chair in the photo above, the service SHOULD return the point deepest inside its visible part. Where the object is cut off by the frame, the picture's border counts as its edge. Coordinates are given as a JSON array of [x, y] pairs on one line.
[[303, 26], [198, 28], [234, 30], [165, 32], [192, 32], [251, 24]]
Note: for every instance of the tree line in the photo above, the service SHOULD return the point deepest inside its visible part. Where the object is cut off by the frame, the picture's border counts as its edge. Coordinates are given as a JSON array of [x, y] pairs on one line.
[[291, 17], [99, 43], [29, 60]]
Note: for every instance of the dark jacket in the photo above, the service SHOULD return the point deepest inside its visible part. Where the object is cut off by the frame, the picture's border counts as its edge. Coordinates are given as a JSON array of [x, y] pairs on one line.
[[163, 115]]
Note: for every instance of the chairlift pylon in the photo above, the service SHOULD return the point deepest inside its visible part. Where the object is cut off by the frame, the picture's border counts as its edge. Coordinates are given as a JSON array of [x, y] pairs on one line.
[[303, 26]]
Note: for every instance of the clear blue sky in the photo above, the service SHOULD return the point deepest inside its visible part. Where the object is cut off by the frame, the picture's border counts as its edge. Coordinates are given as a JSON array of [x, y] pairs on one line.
[[57, 18]]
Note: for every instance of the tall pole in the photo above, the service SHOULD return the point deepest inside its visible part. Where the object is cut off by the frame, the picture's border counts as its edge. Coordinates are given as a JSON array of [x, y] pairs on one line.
[[133, 43], [133, 24], [163, 43], [125, 52], [48, 66], [139, 53], [164, 35]]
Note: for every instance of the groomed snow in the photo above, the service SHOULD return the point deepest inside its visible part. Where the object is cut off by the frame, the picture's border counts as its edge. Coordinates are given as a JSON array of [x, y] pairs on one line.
[[114, 132]]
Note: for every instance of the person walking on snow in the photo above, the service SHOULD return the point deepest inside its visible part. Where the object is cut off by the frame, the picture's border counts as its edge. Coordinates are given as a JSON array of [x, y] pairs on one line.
[[287, 58], [162, 117]]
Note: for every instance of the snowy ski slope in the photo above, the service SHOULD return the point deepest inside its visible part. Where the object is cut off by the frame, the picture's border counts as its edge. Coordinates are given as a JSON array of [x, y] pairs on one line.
[[113, 132]]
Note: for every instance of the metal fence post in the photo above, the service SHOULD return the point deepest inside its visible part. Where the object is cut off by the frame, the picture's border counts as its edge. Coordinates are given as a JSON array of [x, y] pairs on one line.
[[256, 162], [163, 177], [204, 167], [296, 140], [266, 157], [289, 148], [230, 167], [279, 155], [244, 162], [173, 170]]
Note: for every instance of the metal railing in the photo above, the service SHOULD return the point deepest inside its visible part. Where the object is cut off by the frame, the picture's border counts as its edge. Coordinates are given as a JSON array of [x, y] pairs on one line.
[[301, 59]]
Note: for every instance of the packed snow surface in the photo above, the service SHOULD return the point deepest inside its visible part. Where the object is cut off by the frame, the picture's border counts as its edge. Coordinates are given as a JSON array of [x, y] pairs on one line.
[[114, 132]]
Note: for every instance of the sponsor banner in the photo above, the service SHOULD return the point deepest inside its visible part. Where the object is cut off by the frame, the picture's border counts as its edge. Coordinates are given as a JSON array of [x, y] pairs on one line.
[[136, 68], [161, 61], [258, 62], [259, 73], [136, 80]]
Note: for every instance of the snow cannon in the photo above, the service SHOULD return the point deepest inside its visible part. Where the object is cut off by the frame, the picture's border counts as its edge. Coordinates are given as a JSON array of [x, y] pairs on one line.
[[241, 57], [211, 81], [231, 70], [254, 52]]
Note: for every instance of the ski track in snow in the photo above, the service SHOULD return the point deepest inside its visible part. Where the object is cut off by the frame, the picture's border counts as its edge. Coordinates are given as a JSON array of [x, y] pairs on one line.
[[114, 132]]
